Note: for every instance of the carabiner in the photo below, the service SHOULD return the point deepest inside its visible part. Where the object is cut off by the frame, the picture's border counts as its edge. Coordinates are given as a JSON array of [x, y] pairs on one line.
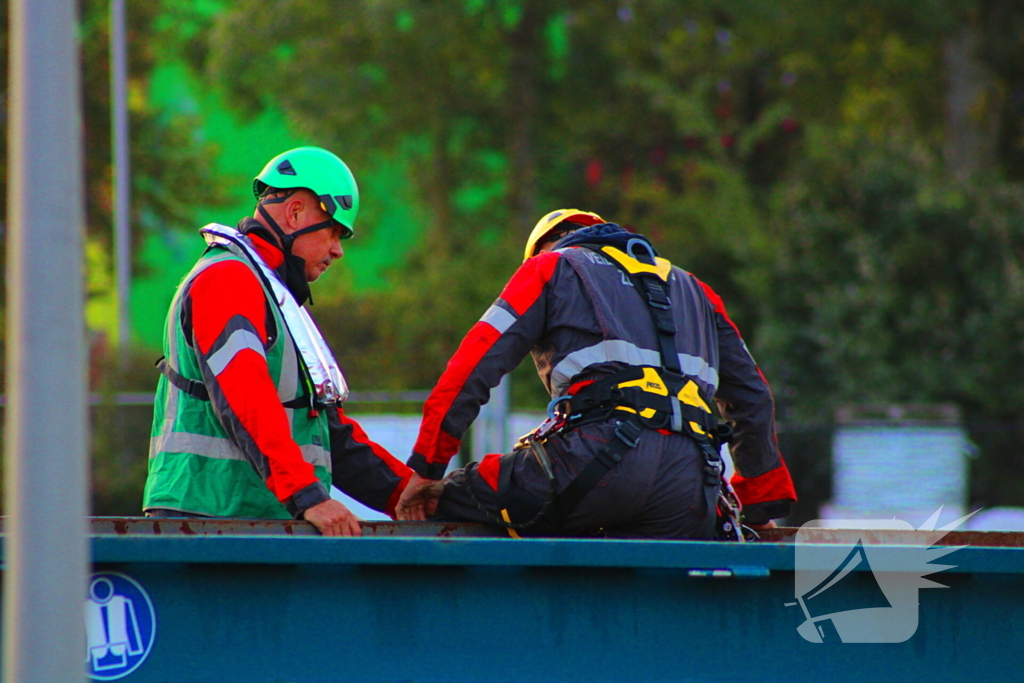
[[554, 403]]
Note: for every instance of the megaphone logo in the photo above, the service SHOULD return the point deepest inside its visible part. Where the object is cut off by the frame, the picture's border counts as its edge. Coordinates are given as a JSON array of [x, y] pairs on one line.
[[865, 593]]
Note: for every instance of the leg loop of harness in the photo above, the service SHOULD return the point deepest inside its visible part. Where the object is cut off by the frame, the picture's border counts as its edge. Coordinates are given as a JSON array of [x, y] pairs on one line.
[[655, 404], [627, 433], [511, 508], [712, 485]]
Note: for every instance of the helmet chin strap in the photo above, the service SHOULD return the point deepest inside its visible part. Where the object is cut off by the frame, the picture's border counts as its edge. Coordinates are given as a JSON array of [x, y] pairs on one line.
[[287, 239], [294, 267], [322, 225]]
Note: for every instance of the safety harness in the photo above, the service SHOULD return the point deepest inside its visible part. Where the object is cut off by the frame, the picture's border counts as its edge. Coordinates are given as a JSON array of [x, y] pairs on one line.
[[644, 397]]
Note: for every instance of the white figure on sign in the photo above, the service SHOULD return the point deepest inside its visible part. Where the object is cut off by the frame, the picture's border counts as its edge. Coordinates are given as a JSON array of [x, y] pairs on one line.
[[111, 626]]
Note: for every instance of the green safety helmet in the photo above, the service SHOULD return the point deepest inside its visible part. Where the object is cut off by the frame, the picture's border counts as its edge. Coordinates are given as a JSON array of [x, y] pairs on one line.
[[319, 171]]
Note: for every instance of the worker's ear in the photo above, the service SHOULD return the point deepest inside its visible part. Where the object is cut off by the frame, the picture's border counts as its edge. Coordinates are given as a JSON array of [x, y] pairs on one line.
[[293, 208]]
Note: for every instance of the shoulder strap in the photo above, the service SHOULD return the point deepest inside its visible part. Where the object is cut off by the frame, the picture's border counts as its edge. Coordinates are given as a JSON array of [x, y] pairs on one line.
[[650, 278], [198, 389], [324, 377], [189, 386]]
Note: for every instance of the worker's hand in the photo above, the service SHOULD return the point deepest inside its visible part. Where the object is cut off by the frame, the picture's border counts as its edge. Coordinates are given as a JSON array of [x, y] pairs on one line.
[[419, 499], [332, 518], [770, 524]]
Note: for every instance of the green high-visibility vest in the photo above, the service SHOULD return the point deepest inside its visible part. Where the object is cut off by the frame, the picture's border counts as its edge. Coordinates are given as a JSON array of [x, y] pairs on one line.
[[193, 466]]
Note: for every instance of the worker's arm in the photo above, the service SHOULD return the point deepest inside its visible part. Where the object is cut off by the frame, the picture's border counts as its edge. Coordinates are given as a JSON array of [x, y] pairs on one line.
[[493, 347], [228, 314], [363, 468], [761, 481]]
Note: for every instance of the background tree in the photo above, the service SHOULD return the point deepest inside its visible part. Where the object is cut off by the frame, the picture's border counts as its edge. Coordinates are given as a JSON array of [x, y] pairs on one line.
[[846, 174], [170, 180]]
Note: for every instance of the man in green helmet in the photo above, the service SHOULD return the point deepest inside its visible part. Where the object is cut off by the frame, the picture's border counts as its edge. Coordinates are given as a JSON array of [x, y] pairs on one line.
[[249, 420]]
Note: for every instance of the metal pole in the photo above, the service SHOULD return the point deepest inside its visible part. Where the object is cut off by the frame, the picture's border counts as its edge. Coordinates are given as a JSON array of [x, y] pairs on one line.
[[46, 457], [122, 181]]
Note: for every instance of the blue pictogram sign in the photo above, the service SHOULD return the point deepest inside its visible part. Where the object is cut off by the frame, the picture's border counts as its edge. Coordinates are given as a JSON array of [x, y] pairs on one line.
[[120, 626]]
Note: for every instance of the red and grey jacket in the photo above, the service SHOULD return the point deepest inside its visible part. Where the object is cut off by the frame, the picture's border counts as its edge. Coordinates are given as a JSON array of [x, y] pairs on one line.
[[581, 317], [226, 297]]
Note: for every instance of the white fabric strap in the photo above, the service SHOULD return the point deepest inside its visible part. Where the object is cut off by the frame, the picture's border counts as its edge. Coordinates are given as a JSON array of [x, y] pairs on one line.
[[328, 379]]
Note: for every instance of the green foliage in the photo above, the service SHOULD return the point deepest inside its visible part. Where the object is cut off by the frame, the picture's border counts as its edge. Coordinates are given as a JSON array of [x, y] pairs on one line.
[[120, 433], [424, 86], [894, 284], [403, 338], [788, 153], [171, 175], [793, 154]]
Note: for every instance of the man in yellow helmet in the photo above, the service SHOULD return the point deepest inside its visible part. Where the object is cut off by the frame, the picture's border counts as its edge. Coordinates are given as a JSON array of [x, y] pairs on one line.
[[556, 225], [633, 351]]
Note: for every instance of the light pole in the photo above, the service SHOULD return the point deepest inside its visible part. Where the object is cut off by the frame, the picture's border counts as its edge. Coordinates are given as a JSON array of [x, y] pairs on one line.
[[122, 175], [46, 456]]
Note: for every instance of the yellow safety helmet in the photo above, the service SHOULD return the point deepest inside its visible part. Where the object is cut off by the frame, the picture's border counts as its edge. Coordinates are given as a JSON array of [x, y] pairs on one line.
[[547, 225]]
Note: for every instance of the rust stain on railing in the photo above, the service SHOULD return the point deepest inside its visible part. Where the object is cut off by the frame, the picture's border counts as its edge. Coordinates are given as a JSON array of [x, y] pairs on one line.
[[975, 539], [195, 526]]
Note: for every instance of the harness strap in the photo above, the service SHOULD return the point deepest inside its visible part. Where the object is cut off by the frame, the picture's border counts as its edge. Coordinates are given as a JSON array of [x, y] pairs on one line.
[[650, 279], [198, 390], [632, 390], [627, 434], [650, 276], [189, 386], [712, 470], [653, 412], [660, 307]]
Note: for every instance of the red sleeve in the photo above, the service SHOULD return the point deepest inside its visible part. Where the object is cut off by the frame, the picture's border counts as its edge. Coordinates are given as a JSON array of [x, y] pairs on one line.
[[229, 327], [493, 347], [762, 481]]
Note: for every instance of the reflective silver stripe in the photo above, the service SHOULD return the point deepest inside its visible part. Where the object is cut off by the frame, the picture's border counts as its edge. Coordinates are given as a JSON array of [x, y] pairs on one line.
[[238, 341], [695, 366], [315, 455], [498, 318], [603, 352], [223, 449], [619, 351], [183, 442]]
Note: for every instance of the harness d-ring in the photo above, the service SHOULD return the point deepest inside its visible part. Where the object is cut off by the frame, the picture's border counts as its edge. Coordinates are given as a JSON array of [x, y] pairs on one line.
[[633, 242]]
